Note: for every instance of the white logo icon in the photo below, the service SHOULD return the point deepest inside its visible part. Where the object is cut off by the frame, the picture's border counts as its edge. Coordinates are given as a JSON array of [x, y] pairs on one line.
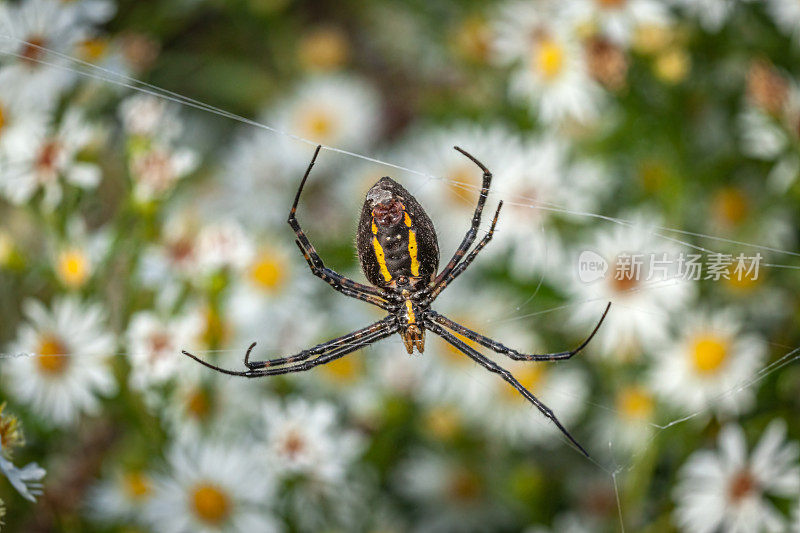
[[591, 266]]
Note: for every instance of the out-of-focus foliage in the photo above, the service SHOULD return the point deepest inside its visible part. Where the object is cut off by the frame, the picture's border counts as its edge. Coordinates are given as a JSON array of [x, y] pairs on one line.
[[133, 226]]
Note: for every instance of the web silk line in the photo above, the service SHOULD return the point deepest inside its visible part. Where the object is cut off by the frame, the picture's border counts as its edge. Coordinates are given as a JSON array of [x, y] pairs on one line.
[[146, 88], [153, 90]]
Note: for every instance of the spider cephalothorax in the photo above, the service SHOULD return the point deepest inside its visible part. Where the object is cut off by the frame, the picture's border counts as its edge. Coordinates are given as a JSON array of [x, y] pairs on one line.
[[399, 254]]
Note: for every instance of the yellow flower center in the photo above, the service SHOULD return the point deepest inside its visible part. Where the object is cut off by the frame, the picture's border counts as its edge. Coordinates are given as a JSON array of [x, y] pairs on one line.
[[610, 4], [48, 157], [625, 276], [136, 485], [344, 370], [6, 248], [472, 39], [464, 486], [673, 65], [215, 331], [652, 38], [72, 267], [293, 444], [10, 433], [459, 188], [198, 404], [549, 59], [730, 206], [529, 375], [654, 175], [443, 422], [318, 124], [741, 486], [743, 280], [268, 271], [635, 403], [33, 49], [708, 354], [210, 503], [453, 355], [53, 357], [93, 49], [324, 49]]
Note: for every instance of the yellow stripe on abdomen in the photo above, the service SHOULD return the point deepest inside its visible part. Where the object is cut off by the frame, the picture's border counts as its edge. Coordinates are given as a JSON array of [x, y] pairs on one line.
[[412, 252], [379, 255], [381, 259], [412, 319]]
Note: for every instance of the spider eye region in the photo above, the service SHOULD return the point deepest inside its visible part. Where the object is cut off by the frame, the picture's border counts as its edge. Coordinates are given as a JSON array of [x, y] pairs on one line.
[[389, 213]]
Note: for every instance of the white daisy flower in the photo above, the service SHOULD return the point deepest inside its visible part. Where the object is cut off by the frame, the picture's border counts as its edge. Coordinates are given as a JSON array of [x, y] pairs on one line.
[[569, 522], [221, 244], [349, 186], [643, 297], [51, 159], [176, 256], [551, 73], [563, 387], [772, 135], [23, 122], [731, 491], [450, 199], [76, 257], [362, 381], [305, 444], [264, 304], [712, 14], [450, 495], [353, 379], [157, 168], [629, 424], [121, 497], [95, 11], [306, 439], [617, 19], [704, 366], [107, 53], [154, 345], [451, 377], [535, 185], [143, 115], [254, 185], [335, 110], [786, 14], [68, 363], [211, 487], [208, 404], [26, 26]]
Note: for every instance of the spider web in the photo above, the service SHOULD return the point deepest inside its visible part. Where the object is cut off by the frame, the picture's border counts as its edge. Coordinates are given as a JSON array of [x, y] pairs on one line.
[[670, 234]]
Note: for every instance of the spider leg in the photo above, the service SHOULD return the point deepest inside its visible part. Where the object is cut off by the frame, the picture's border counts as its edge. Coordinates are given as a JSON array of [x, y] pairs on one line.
[[462, 266], [469, 238], [334, 280], [505, 350], [318, 268], [327, 351], [327, 357], [491, 366]]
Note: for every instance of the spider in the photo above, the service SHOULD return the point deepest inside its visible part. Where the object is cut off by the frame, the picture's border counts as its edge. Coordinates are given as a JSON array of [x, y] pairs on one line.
[[399, 255]]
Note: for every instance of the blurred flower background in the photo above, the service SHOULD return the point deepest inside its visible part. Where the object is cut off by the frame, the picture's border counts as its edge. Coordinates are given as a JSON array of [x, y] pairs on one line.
[[136, 222]]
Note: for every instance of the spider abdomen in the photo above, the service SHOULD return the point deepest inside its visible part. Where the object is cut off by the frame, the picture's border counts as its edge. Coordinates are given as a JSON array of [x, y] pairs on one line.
[[396, 240]]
